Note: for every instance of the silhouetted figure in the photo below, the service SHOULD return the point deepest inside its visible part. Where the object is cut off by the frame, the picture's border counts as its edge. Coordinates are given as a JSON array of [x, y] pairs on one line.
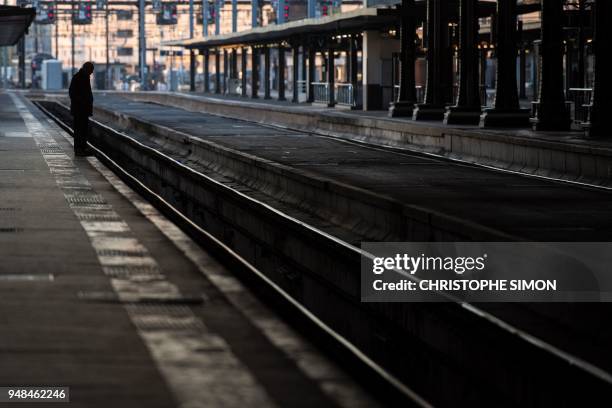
[[81, 107]]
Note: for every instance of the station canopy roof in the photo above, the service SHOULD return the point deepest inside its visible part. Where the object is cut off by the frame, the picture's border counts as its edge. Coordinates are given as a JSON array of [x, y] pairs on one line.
[[369, 18], [14, 22]]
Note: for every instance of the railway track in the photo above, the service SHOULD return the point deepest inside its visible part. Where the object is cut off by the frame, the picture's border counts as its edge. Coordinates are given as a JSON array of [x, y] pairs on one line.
[[407, 352]]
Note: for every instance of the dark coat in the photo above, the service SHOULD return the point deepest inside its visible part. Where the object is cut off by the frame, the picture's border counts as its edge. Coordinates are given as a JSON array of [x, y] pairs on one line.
[[81, 98]]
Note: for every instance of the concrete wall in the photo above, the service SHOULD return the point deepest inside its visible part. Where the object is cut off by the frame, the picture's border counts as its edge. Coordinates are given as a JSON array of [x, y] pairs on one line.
[[377, 54]]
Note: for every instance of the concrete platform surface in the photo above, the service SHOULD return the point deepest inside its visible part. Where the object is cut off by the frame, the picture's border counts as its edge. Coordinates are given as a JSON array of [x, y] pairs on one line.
[[100, 293], [563, 155], [521, 206]]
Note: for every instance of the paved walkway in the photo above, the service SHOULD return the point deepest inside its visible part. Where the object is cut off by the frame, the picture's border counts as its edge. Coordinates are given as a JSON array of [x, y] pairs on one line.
[[100, 293]]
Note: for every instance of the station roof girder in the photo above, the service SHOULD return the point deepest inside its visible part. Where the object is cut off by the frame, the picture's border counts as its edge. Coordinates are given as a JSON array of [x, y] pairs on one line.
[[14, 23]]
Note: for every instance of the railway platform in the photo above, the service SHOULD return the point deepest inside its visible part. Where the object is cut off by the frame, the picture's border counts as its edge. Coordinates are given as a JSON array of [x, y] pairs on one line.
[[525, 207], [567, 155], [100, 293], [279, 214]]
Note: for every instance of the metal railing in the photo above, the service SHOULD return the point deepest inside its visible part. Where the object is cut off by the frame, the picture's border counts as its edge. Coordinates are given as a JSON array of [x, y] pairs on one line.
[[580, 99], [348, 94], [420, 93], [320, 92], [234, 86], [487, 96], [577, 102]]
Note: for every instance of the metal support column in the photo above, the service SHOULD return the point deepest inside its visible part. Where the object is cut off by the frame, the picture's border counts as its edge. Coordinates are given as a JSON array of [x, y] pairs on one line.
[[234, 64], [581, 45], [468, 107], [225, 71], [206, 70], [217, 71], [282, 63], [280, 12], [522, 63], [57, 56], [217, 16], [506, 111], [21, 68], [192, 57], [331, 76], [312, 54], [192, 70], [108, 78], [72, 62], [243, 70], [406, 98], [234, 16], [205, 7], [353, 65], [295, 48], [254, 13], [602, 87], [312, 4], [266, 72], [552, 113], [254, 73], [523, 72], [438, 63], [142, 45]]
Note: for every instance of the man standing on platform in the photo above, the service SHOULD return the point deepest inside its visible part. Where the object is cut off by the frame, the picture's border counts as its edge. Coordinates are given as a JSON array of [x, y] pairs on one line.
[[81, 107]]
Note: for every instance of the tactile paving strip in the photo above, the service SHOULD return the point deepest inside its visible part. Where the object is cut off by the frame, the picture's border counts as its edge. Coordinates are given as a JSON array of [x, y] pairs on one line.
[[161, 317], [84, 199], [10, 229]]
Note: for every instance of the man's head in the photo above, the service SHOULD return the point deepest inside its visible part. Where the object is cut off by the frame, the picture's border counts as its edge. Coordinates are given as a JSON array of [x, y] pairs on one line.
[[88, 67]]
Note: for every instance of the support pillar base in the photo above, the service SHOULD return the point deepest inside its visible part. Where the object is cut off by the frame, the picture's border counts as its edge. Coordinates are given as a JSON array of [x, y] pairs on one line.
[[428, 112], [511, 118], [401, 109], [556, 118], [596, 132], [456, 115], [552, 125]]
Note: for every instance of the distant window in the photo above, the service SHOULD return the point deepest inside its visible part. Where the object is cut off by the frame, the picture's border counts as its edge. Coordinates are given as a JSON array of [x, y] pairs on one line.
[[125, 33], [124, 14], [168, 14], [125, 51]]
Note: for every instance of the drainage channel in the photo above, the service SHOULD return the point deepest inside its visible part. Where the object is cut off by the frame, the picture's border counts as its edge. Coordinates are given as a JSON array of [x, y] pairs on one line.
[[305, 267]]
